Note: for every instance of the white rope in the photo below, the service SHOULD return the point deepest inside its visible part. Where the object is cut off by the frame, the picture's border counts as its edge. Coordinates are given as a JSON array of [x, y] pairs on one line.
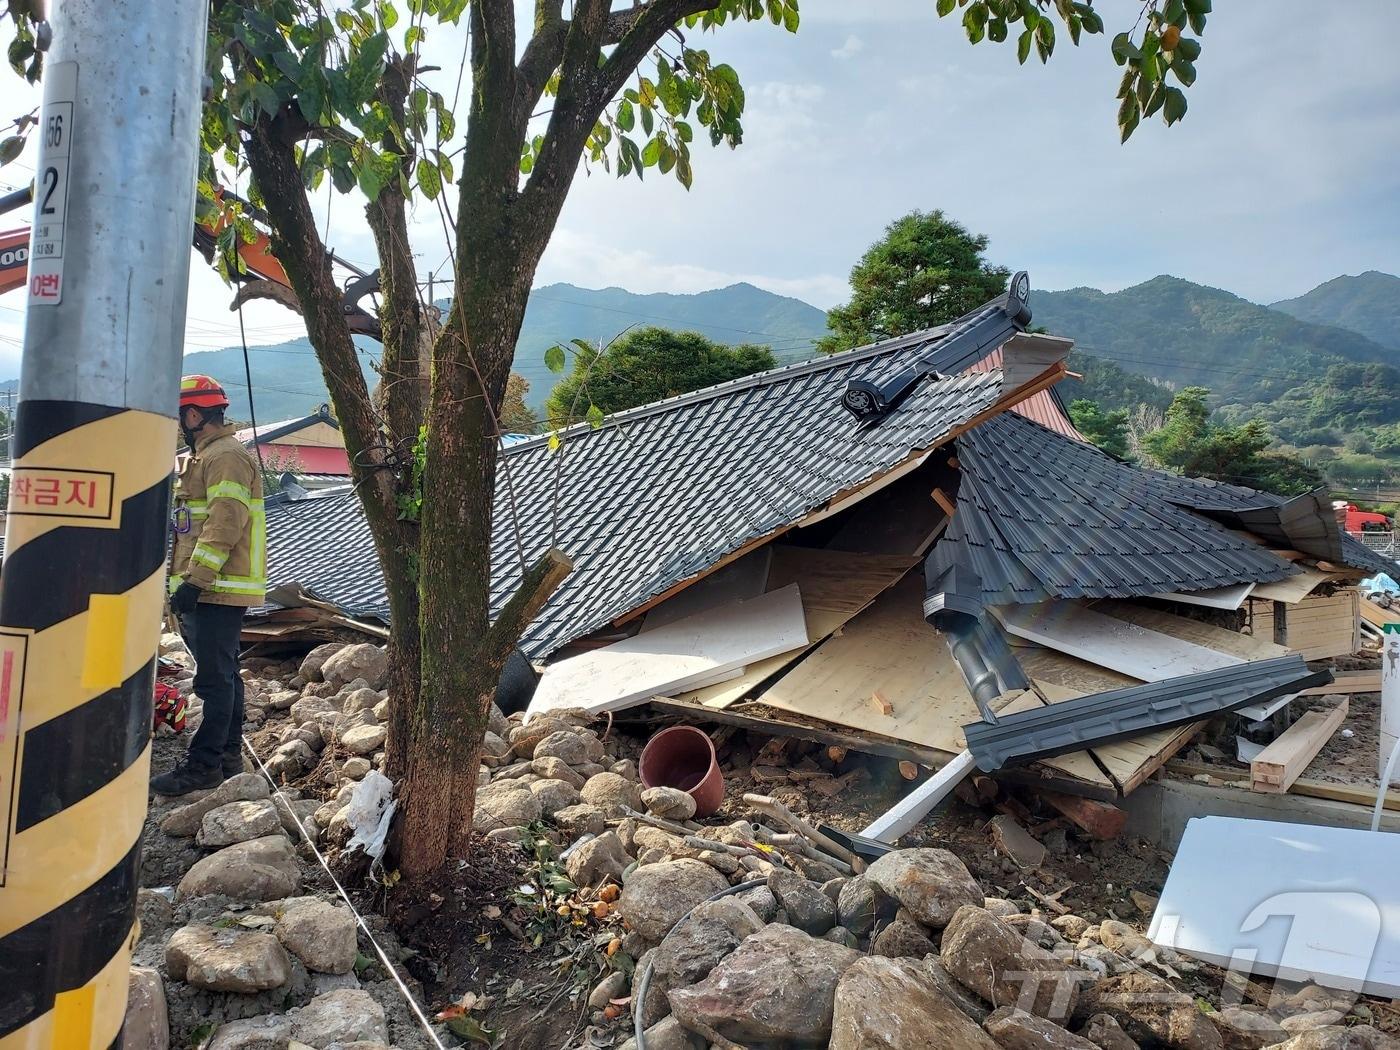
[[383, 958]]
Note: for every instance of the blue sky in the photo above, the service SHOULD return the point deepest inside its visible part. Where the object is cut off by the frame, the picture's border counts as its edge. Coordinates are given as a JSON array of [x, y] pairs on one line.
[[1283, 174]]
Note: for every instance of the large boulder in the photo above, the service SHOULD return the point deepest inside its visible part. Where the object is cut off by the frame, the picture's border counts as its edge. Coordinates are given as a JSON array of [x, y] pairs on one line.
[[242, 787], [669, 803], [364, 740], [1336, 1037], [309, 708], [1151, 1010], [263, 869], [807, 907], [267, 1032], [505, 809], [1017, 1030], [668, 1034], [345, 1016], [598, 861], [315, 660], [566, 745], [552, 768], [147, 1023], [360, 700], [1242, 1029], [1107, 1034], [714, 930], [611, 793], [1002, 967], [238, 822], [861, 904], [657, 896], [889, 1004], [554, 795], [318, 933], [777, 987], [576, 821], [903, 940], [931, 884], [366, 661], [227, 960], [525, 738]]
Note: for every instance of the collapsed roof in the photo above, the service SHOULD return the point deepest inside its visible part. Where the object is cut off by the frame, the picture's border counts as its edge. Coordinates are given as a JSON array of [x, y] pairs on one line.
[[662, 493]]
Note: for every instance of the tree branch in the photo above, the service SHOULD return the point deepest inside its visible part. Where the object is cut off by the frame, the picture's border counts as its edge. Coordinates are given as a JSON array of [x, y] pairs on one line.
[[539, 584], [265, 289], [404, 369], [638, 35]]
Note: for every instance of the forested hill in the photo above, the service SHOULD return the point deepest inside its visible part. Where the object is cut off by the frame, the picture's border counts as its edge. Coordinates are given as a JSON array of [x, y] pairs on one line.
[[1191, 335], [1368, 304], [287, 379]]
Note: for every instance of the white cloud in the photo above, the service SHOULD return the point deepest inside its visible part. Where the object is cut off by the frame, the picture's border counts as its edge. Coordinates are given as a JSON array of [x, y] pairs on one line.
[[853, 46]]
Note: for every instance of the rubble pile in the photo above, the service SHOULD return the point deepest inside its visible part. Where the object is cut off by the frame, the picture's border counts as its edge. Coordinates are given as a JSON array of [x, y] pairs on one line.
[[742, 933]]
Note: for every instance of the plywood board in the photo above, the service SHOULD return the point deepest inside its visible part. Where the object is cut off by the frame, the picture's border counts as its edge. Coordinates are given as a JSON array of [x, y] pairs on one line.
[[835, 586], [1319, 626], [673, 658], [889, 649], [1295, 588], [1119, 645], [736, 582], [1312, 904], [1231, 597], [1244, 646]]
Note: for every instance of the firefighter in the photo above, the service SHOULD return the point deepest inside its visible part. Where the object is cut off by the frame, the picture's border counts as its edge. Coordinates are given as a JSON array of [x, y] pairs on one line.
[[219, 570]]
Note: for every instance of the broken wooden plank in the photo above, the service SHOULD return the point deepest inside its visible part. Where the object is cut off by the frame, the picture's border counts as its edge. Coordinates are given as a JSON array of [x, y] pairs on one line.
[[1282, 762], [1353, 683], [1097, 819], [835, 585], [674, 657], [1294, 588], [911, 809]]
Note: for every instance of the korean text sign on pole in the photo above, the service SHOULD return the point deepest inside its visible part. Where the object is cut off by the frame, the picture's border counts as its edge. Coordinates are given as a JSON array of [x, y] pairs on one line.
[[94, 441]]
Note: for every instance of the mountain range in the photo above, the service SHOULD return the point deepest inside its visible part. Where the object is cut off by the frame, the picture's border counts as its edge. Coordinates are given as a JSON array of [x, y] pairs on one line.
[[1135, 346]]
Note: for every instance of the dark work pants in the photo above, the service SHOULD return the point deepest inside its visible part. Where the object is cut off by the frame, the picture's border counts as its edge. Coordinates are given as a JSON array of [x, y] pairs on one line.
[[211, 633]]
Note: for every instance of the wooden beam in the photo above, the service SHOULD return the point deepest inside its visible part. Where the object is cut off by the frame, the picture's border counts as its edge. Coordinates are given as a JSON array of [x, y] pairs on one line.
[[948, 506], [1358, 683], [1098, 819], [1281, 763], [1355, 794]]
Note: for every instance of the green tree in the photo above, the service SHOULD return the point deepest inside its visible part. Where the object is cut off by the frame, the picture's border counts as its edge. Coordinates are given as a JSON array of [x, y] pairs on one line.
[[1192, 444], [645, 365], [926, 270], [301, 92], [516, 417], [1107, 430]]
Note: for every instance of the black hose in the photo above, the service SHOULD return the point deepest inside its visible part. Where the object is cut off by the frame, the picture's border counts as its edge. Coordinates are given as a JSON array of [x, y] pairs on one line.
[[639, 990]]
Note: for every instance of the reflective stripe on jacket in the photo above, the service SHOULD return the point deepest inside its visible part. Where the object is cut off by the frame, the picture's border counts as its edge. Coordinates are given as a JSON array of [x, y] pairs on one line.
[[225, 551]]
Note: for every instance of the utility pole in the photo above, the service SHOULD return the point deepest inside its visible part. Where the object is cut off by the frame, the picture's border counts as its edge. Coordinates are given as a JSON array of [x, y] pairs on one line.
[[93, 446]]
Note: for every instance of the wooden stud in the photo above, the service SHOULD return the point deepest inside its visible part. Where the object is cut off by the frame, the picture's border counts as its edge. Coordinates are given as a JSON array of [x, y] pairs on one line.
[[1281, 763], [882, 705], [944, 502], [1098, 819]]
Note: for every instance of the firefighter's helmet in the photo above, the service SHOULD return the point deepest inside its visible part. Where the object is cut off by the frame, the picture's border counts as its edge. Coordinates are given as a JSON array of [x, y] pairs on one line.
[[201, 392]]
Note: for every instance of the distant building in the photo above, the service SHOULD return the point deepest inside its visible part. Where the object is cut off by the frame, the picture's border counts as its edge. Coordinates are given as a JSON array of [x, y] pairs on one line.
[[311, 447]]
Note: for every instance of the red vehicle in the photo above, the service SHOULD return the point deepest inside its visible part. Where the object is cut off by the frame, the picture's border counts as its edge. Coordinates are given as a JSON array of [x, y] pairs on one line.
[[1366, 521]]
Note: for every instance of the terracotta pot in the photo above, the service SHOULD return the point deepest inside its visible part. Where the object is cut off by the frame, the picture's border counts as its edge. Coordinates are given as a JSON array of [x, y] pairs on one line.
[[683, 757]]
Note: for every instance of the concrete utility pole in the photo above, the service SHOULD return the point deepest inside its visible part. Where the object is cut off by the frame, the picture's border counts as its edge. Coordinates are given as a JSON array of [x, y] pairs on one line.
[[93, 446]]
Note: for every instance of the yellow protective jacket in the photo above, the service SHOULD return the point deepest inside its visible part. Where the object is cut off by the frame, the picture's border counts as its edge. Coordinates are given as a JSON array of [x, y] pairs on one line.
[[219, 496]]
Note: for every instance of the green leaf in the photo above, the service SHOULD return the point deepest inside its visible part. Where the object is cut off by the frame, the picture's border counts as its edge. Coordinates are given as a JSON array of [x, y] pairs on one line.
[[1197, 23], [1023, 46], [1188, 49], [1184, 70], [527, 164], [945, 7], [429, 179], [311, 102], [996, 30], [1128, 117], [287, 63], [266, 98], [1045, 39], [388, 15], [1198, 7], [1155, 100], [1175, 107], [791, 19], [469, 1028], [975, 22], [555, 358], [651, 153], [595, 416], [451, 10], [412, 37], [11, 148], [626, 115], [1124, 49], [647, 119], [1175, 12]]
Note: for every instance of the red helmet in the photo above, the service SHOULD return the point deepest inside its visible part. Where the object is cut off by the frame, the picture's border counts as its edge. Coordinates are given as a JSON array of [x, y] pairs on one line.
[[201, 392]]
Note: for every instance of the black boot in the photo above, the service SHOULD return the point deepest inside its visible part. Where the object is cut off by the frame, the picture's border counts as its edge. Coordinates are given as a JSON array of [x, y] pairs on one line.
[[232, 764], [185, 778]]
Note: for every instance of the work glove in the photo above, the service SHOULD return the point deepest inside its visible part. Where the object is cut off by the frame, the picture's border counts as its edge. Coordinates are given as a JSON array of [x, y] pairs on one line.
[[185, 598]]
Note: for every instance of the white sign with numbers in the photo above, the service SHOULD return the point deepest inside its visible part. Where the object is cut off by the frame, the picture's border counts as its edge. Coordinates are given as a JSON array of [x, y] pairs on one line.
[[51, 185]]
